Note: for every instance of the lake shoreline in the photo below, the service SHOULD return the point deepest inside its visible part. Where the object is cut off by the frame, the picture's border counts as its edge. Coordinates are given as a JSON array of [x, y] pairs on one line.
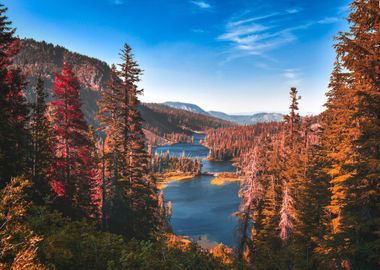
[[201, 210], [222, 180], [166, 178]]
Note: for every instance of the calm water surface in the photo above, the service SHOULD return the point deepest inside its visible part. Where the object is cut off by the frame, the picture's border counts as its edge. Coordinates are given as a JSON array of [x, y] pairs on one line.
[[202, 211]]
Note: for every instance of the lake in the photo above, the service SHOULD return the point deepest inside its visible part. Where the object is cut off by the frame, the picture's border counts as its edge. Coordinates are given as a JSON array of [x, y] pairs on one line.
[[202, 211]]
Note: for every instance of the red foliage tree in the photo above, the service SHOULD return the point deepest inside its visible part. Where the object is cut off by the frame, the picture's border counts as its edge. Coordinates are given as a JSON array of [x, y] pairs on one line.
[[75, 171], [13, 109]]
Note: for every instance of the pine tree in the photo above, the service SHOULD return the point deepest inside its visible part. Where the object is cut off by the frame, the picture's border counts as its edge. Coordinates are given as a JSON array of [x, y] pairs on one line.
[[13, 109], [268, 243], [18, 245], [95, 152], [286, 214], [292, 120], [354, 102], [112, 112], [292, 151], [75, 171], [132, 191], [140, 188], [41, 140], [113, 118], [311, 228], [251, 193]]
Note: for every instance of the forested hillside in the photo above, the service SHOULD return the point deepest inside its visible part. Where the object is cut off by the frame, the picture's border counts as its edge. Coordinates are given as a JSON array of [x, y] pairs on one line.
[[69, 198], [41, 59], [165, 117], [238, 119], [75, 197]]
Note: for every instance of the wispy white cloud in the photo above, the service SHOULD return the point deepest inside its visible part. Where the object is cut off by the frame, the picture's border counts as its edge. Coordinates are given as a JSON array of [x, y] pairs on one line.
[[201, 4], [328, 20], [257, 35], [293, 10], [292, 77], [290, 73], [240, 22], [244, 34]]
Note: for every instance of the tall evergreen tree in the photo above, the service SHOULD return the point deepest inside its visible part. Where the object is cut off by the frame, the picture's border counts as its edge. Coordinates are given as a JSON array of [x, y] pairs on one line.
[[286, 214], [292, 168], [310, 228], [13, 108], [41, 148], [95, 152], [113, 116], [354, 102], [131, 191], [251, 193], [269, 244], [75, 171], [293, 119], [141, 190]]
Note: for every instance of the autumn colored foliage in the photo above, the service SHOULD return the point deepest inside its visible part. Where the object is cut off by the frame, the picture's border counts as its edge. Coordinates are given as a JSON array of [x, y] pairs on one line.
[[162, 163], [76, 197], [75, 173]]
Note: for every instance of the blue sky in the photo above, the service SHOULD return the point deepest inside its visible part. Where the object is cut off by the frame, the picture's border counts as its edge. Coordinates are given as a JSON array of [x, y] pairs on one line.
[[235, 56]]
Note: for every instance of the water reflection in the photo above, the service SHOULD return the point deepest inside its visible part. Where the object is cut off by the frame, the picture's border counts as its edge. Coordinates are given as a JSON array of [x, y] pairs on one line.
[[201, 210]]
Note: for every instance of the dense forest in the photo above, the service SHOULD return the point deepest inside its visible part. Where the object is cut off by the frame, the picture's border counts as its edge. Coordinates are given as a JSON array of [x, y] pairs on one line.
[[74, 196], [232, 143], [310, 193]]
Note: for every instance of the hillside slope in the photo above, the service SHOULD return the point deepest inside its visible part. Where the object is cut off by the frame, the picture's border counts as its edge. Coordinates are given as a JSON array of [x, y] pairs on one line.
[[186, 106], [238, 119], [249, 119], [41, 58], [187, 122]]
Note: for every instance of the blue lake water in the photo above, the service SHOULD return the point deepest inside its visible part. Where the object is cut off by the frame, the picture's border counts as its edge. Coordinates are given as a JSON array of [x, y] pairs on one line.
[[202, 211]]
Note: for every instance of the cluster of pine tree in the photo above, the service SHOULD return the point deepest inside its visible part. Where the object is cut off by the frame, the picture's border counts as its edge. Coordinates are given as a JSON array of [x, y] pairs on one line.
[[129, 191], [179, 138], [280, 202], [163, 163], [310, 196], [70, 199], [233, 142]]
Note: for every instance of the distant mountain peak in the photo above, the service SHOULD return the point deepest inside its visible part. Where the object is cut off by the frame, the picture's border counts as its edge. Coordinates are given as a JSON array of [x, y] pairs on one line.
[[248, 119], [186, 106]]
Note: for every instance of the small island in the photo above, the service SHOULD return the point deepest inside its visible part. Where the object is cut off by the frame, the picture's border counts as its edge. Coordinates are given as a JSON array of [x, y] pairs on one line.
[[163, 179], [167, 168], [225, 178]]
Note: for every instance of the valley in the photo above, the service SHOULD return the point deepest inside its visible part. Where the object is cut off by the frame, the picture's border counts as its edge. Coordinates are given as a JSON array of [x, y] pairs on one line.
[[93, 178], [160, 120]]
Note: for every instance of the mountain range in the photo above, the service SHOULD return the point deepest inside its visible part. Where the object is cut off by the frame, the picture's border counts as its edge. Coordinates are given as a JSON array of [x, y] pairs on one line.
[[239, 119], [44, 59]]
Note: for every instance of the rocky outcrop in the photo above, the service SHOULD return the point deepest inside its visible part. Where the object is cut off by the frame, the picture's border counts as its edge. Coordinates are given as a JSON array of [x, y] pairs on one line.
[[44, 59]]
